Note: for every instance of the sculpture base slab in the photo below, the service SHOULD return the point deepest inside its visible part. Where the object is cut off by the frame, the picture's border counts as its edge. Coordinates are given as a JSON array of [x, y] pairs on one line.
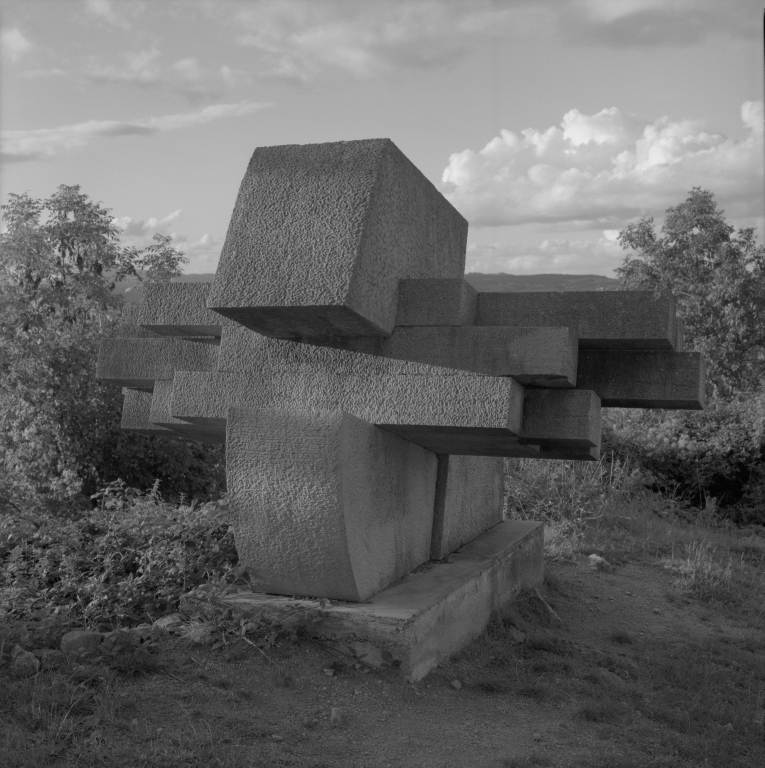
[[434, 611]]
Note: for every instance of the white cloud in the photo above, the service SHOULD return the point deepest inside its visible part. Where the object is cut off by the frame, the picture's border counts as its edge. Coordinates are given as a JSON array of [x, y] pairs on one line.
[[601, 170], [299, 39], [13, 44], [20, 146], [103, 10], [203, 255], [138, 68], [553, 256], [199, 83], [143, 230]]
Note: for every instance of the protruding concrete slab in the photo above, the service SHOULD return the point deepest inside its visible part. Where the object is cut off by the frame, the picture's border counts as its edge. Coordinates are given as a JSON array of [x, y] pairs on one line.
[[470, 493], [128, 327], [558, 418], [321, 234], [434, 612], [136, 409], [180, 309], [139, 362], [644, 379], [436, 302], [602, 319], [325, 504], [543, 357]]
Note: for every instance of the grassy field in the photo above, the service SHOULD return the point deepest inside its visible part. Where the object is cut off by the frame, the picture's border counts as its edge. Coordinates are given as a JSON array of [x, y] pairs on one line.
[[654, 655]]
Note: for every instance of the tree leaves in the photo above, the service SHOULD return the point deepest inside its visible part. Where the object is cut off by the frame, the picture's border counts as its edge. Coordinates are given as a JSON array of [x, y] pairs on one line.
[[718, 279]]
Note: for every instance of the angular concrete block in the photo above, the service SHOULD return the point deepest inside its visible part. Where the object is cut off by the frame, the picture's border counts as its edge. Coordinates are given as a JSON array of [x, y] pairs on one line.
[[602, 319], [326, 504], [321, 234], [139, 362], [436, 302], [180, 309], [644, 379], [543, 357], [136, 409], [160, 415], [469, 501], [128, 327], [558, 418]]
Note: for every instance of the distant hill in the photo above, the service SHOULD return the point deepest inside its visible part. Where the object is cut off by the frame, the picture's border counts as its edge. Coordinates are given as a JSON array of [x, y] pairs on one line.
[[131, 290]]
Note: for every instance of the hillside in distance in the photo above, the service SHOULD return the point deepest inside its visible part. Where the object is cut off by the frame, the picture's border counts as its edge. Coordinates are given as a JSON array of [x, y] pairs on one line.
[[131, 290]]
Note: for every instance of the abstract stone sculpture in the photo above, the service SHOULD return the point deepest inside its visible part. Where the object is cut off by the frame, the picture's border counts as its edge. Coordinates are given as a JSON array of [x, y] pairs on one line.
[[365, 392]]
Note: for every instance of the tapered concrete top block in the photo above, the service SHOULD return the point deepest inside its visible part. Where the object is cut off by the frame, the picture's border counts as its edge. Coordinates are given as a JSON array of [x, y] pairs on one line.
[[179, 309], [322, 234], [603, 319]]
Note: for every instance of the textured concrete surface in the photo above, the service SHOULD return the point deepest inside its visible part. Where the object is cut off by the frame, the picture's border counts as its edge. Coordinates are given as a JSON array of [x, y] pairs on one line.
[[180, 309], [469, 500], [644, 379], [561, 417], [139, 362], [321, 234], [160, 414], [602, 319], [136, 409], [537, 356], [326, 504], [435, 612], [436, 302], [128, 327]]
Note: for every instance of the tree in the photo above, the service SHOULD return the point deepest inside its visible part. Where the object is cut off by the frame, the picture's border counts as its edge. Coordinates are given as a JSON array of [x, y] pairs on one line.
[[718, 279], [60, 436]]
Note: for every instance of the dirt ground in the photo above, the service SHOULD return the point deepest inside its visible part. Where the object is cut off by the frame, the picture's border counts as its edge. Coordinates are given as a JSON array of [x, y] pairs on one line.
[[612, 685]]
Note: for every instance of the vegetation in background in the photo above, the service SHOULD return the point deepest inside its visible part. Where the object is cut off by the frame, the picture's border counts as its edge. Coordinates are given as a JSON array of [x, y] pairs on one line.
[[60, 436]]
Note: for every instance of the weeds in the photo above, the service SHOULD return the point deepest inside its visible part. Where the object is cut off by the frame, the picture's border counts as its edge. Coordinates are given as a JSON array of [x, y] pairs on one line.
[[700, 572]]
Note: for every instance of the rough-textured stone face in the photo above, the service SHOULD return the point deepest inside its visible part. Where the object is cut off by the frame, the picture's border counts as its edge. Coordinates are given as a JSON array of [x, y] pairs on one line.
[[321, 234], [325, 503], [470, 494]]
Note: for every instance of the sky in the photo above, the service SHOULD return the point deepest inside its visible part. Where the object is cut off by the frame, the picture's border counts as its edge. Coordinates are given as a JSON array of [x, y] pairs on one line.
[[549, 124]]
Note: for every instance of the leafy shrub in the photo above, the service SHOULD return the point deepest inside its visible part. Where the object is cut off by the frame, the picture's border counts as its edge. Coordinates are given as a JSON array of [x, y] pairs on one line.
[[699, 456], [127, 561]]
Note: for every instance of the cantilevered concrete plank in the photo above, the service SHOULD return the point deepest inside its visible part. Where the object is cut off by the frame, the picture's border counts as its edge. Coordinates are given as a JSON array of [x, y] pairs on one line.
[[602, 319], [180, 309], [321, 234], [139, 362], [326, 504], [436, 302], [136, 408], [557, 418], [644, 379]]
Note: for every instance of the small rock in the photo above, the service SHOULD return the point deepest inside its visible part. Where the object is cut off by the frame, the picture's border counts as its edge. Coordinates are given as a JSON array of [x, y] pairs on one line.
[[49, 657], [536, 736], [169, 623], [337, 716], [607, 678], [656, 610], [599, 563], [456, 684], [515, 636], [329, 671], [23, 663], [312, 722], [79, 642], [728, 726], [372, 656], [277, 737]]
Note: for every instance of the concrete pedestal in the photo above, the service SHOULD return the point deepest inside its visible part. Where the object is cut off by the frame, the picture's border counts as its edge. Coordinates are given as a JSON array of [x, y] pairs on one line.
[[434, 611]]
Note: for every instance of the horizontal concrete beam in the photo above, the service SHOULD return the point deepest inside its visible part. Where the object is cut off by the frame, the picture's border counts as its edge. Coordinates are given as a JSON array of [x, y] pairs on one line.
[[180, 309], [602, 319], [321, 234], [644, 379], [436, 302], [561, 418], [139, 362]]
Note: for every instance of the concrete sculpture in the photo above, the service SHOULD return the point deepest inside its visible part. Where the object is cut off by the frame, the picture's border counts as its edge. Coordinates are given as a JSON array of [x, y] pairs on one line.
[[365, 392]]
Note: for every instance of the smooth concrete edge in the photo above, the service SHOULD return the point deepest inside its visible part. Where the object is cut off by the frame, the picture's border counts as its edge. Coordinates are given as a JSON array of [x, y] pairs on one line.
[[434, 611]]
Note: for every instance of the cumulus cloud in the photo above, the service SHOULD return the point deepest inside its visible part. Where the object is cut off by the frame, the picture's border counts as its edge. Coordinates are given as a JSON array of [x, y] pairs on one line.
[[298, 39], [104, 10], [598, 255], [137, 67], [20, 146], [598, 171], [13, 44], [199, 83], [142, 230]]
